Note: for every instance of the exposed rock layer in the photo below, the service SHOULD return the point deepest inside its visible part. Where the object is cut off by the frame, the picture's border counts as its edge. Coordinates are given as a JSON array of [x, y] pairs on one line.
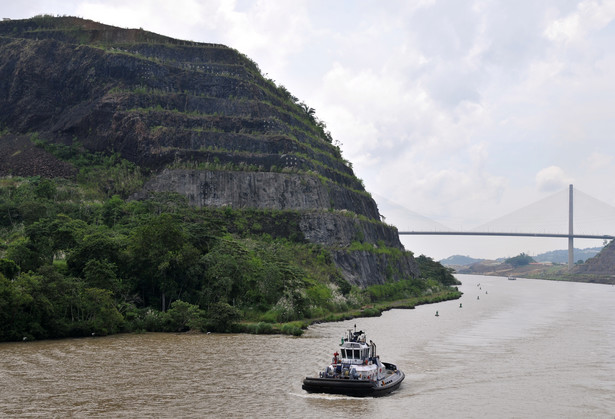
[[200, 117], [262, 190], [600, 268]]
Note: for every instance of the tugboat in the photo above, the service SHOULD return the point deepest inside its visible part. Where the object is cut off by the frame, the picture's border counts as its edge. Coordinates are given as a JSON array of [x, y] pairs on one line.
[[357, 371]]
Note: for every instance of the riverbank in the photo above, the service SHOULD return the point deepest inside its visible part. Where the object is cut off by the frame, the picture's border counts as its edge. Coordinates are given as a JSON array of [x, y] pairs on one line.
[[297, 328], [552, 272]]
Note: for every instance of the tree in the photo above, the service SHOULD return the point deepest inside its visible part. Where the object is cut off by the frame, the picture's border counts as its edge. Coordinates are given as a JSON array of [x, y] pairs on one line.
[[154, 249], [98, 312], [520, 260], [222, 316], [8, 268], [25, 308], [25, 254], [97, 246], [101, 274], [112, 210], [435, 270], [45, 189], [183, 316], [52, 235]]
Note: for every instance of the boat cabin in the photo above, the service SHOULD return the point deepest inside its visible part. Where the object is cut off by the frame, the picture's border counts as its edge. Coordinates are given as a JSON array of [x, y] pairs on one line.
[[355, 350]]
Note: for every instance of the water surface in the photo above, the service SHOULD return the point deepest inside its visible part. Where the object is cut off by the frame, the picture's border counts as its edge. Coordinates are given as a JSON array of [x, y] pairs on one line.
[[523, 348]]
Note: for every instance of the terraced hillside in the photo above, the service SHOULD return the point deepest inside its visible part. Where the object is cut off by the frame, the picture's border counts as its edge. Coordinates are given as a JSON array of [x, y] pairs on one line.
[[199, 120]]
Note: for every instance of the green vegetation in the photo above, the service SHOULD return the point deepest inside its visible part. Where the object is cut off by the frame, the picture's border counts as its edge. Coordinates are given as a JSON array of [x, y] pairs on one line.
[[520, 260], [72, 266], [100, 175], [77, 257]]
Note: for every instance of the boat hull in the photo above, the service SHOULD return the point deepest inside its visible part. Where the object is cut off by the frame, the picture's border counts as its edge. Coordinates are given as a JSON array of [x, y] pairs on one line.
[[351, 387]]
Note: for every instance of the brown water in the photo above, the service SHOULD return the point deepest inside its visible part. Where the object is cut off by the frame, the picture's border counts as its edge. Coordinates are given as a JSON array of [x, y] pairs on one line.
[[525, 348]]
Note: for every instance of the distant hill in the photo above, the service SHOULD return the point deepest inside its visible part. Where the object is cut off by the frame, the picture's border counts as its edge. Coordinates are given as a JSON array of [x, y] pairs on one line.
[[459, 260], [597, 265], [553, 256], [561, 256]]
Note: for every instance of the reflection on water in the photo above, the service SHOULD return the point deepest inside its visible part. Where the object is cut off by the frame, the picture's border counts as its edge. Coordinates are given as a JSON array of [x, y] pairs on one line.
[[525, 348]]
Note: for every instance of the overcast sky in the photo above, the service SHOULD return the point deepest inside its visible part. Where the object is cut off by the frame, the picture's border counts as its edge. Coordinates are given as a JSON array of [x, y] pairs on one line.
[[460, 111]]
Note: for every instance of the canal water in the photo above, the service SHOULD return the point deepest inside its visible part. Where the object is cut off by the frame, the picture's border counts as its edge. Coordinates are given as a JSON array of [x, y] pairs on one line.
[[506, 349]]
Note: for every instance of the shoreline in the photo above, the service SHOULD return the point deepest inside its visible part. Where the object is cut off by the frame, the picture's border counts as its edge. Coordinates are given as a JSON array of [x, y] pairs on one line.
[[554, 276], [297, 327]]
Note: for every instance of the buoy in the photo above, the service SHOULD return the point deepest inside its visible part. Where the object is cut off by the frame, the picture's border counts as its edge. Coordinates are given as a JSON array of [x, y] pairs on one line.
[[460, 306]]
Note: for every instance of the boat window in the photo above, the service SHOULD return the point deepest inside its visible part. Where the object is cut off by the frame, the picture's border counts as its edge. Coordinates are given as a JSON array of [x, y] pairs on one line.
[[356, 353]]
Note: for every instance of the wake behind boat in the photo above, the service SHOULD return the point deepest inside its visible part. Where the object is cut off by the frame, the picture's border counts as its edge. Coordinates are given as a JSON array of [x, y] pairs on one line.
[[357, 371]]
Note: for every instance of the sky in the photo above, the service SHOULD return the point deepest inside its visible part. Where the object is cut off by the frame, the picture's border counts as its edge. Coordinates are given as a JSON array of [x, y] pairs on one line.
[[452, 112]]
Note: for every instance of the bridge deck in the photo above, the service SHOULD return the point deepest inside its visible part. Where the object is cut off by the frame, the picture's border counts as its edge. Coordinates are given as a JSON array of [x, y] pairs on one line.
[[490, 233]]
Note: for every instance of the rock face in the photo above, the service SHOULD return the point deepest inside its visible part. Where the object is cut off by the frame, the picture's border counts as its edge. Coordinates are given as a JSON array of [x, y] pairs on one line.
[[262, 190], [600, 268], [19, 157], [201, 118]]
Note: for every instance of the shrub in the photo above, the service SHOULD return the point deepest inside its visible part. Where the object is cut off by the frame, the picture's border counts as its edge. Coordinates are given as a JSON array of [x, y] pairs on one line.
[[293, 328], [184, 316], [371, 312], [222, 316]]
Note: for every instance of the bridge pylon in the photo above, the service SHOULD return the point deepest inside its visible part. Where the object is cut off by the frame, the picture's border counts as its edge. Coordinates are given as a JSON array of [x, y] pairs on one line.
[[570, 229]]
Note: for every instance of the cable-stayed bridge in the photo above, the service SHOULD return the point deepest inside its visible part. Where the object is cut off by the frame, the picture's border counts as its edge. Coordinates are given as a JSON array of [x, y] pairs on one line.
[[572, 208]]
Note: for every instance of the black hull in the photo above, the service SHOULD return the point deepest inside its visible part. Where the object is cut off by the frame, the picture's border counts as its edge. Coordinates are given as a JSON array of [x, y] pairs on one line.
[[349, 387]]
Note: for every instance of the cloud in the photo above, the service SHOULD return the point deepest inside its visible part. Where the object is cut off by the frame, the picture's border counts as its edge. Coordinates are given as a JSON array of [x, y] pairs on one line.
[[551, 179], [589, 16], [599, 161], [456, 110], [174, 19]]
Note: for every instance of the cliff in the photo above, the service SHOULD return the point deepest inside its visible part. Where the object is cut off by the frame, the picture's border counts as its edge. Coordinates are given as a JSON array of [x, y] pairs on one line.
[[199, 119], [600, 268]]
